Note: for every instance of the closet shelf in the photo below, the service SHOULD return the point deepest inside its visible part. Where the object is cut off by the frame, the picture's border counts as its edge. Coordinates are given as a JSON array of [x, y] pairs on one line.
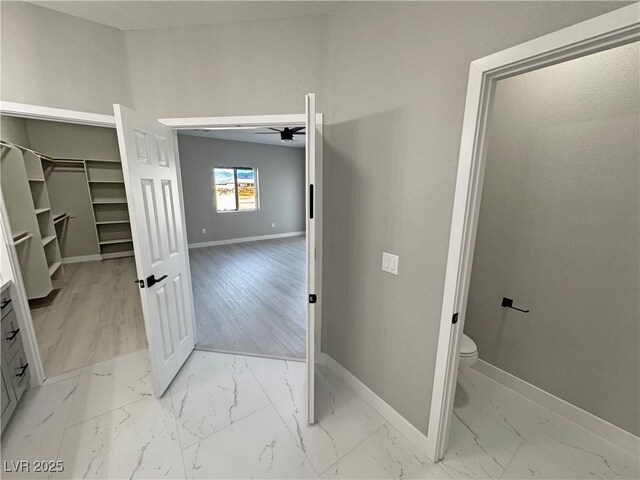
[[47, 240], [42, 210], [20, 237], [99, 160], [107, 181], [110, 202], [54, 267], [113, 242], [58, 217], [112, 222], [36, 179]]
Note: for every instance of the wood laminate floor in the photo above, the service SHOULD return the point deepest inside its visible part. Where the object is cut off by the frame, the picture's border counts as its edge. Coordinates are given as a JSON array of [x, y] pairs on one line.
[[95, 316], [251, 297]]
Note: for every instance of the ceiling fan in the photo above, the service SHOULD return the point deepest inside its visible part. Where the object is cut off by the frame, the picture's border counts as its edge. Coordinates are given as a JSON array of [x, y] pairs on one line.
[[286, 135]]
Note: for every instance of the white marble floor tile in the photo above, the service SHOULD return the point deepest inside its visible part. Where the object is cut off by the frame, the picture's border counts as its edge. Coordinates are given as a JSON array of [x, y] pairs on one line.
[[479, 447], [530, 462], [211, 391], [139, 440], [343, 418], [36, 429], [258, 446], [112, 384], [385, 454], [568, 443]]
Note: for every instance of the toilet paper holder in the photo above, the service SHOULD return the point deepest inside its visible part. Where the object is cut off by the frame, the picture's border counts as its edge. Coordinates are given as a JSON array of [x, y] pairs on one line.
[[508, 303]]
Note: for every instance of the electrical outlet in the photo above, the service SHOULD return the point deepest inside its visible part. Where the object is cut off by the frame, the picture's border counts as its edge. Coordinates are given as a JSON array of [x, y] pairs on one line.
[[273, 225], [390, 263], [204, 231]]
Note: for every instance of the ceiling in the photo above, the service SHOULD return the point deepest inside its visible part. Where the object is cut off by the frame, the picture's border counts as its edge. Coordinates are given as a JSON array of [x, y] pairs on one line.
[[248, 135], [142, 15]]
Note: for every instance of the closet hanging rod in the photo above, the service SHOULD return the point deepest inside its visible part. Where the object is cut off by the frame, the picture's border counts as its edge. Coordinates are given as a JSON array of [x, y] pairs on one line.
[[25, 149]]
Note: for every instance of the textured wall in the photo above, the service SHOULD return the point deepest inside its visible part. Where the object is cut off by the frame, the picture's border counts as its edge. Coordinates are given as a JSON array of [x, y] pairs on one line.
[[559, 232], [281, 182]]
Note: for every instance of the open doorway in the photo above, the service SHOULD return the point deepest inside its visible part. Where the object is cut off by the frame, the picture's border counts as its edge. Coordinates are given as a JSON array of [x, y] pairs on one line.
[[552, 333], [616, 29], [63, 189], [244, 196]]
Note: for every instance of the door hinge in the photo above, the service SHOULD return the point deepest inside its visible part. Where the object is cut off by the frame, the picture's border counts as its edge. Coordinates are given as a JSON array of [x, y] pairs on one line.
[[454, 319], [313, 298]]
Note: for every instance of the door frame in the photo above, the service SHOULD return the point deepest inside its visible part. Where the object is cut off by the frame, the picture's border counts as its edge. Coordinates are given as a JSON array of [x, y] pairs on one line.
[[39, 112], [188, 123], [616, 28]]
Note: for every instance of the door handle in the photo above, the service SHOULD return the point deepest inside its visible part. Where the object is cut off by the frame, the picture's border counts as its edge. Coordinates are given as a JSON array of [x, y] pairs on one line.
[[152, 280]]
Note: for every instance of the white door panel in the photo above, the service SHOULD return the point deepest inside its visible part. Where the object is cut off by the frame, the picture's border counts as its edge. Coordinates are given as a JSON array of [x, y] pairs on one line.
[[157, 223], [311, 252]]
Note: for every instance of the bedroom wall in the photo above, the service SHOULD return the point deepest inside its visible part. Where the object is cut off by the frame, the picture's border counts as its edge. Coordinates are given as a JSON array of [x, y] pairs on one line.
[[281, 188]]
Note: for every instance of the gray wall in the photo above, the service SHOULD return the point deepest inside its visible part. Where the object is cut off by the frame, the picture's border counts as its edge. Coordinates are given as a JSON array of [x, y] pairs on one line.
[[236, 69], [67, 186], [14, 130], [391, 79], [56, 60], [559, 232], [396, 87], [281, 184]]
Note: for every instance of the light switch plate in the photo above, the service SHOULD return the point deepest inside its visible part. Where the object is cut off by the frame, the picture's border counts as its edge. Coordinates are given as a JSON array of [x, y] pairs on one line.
[[390, 263]]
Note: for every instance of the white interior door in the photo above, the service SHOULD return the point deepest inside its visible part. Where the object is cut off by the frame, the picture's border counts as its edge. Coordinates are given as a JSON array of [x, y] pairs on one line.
[[157, 224], [311, 252]]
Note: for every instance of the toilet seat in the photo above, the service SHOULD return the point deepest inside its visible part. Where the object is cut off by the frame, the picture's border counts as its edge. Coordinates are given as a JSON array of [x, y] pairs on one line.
[[468, 352], [468, 346]]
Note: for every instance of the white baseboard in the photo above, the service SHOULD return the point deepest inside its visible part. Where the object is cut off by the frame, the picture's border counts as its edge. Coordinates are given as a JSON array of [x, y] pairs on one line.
[[214, 243], [414, 435], [586, 420], [82, 258], [96, 257]]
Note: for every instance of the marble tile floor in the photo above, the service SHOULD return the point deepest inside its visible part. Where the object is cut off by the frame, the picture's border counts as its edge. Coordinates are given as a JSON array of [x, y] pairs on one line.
[[232, 416]]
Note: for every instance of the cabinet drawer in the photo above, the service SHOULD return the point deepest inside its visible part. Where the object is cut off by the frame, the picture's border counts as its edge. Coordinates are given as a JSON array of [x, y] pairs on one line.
[[19, 371], [10, 332]]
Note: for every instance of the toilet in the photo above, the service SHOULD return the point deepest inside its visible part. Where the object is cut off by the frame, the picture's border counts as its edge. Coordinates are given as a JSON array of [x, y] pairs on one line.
[[468, 352]]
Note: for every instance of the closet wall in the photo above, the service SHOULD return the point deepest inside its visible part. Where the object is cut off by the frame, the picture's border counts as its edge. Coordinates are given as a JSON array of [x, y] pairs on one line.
[[68, 183], [97, 224]]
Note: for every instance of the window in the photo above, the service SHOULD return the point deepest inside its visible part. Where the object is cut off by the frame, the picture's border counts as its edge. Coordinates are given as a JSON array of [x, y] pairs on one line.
[[235, 189]]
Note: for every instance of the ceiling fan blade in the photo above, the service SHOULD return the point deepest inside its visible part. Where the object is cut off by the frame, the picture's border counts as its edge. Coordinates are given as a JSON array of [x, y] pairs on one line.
[[297, 129], [299, 133], [275, 129], [267, 133]]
